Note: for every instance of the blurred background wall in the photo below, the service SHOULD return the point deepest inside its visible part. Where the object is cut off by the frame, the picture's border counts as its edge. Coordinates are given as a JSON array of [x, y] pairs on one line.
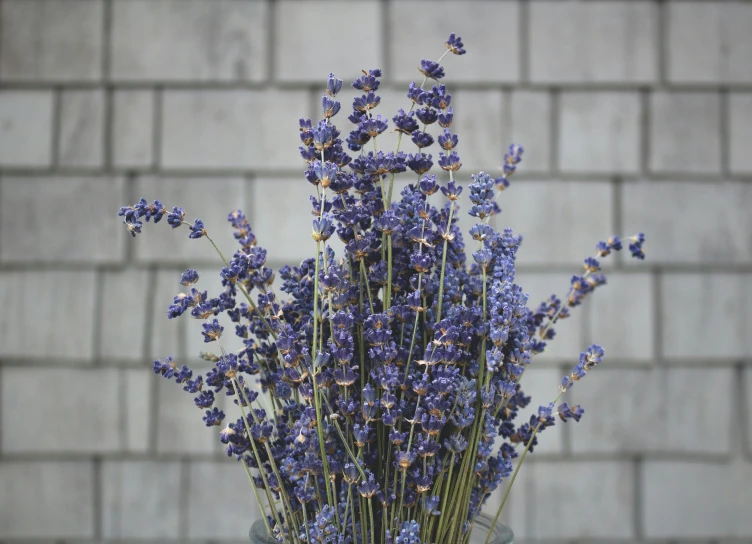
[[634, 116]]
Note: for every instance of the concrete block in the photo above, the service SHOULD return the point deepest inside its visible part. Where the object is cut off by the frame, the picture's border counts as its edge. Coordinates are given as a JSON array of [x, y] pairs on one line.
[[355, 45], [490, 31], [685, 132], [60, 328], [593, 42], [232, 129], [49, 40], [61, 219], [81, 140], [599, 132], [26, 128], [133, 128]]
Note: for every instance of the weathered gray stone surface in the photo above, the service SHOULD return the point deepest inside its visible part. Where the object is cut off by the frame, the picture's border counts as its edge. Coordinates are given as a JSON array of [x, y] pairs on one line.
[[635, 116]]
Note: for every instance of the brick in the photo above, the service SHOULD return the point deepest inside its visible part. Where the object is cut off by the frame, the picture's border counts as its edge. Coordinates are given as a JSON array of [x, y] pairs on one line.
[[570, 332], [685, 237], [593, 42], [139, 407], [211, 199], [81, 141], [231, 129], [25, 128], [685, 134], [740, 128], [51, 499], [357, 40], [129, 512], [269, 197], [37, 223], [124, 309], [132, 128], [74, 410], [478, 123], [584, 208], [165, 334], [704, 317], [618, 422], [490, 30], [531, 128], [599, 132], [708, 500], [223, 489], [721, 57], [174, 40], [621, 317], [554, 518], [180, 429], [60, 328], [51, 41]]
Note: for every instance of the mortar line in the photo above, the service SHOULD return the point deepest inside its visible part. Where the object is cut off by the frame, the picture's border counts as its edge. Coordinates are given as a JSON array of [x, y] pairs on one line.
[[658, 310], [2, 373], [645, 136], [524, 43], [97, 497], [185, 478], [57, 120], [507, 122], [724, 123], [107, 142], [151, 289], [98, 310], [285, 173], [662, 41], [617, 188], [106, 41], [554, 135], [637, 521], [741, 401], [1, 50], [130, 198], [122, 402], [566, 435], [157, 123], [271, 19], [386, 35]]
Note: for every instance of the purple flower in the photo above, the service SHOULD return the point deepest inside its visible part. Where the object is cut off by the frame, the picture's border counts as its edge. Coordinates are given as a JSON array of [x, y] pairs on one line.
[[212, 331], [333, 85], [430, 69], [455, 45], [189, 277]]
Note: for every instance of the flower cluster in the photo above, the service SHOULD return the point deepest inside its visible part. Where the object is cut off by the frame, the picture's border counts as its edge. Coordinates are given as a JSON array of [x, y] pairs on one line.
[[387, 379]]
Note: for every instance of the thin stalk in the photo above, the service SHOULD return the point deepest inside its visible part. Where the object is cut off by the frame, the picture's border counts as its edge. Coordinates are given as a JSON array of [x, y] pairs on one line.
[[368, 287], [258, 498], [370, 518]]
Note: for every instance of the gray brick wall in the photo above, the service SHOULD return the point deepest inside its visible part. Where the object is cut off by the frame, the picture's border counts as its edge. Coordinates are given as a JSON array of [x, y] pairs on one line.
[[635, 115]]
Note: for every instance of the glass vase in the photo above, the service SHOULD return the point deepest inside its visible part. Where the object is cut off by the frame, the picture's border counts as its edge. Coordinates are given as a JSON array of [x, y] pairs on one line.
[[501, 534]]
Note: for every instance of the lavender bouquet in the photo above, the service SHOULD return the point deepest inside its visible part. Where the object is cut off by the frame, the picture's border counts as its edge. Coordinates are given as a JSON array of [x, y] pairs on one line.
[[390, 371]]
